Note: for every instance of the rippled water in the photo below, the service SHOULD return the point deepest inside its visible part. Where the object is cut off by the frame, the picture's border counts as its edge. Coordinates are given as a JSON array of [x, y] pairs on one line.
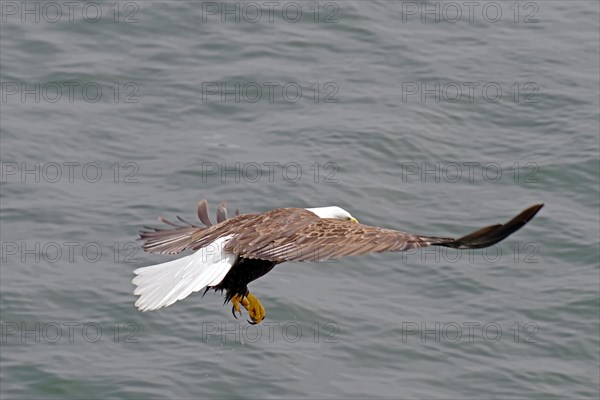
[[437, 127]]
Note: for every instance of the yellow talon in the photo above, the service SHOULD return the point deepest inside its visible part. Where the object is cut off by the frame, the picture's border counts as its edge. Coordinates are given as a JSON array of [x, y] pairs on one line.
[[255, 309]]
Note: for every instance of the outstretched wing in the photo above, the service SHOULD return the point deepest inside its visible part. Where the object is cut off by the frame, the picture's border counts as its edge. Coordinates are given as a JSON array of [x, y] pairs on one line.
[[296, 234], [324, 239], [280, 222]]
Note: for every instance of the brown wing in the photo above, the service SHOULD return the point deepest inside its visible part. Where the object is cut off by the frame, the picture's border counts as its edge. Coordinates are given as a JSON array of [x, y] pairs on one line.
[[324, 239], [258, 229], [296, 234], [263, 228]]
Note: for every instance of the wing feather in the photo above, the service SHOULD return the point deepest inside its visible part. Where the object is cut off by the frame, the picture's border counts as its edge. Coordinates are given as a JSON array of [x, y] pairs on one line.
[[222, 212], [296, 234], [324, 239], [281, 239]]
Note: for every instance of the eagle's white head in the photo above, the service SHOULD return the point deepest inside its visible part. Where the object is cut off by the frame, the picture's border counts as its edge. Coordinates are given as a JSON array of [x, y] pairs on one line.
[[333, 212]]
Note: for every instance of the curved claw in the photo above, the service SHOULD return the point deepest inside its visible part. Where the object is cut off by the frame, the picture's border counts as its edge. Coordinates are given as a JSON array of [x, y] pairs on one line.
[[233, 312], [253, 322]]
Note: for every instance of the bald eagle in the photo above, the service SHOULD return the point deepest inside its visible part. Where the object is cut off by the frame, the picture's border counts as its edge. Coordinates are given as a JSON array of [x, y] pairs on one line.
[[235, 251]]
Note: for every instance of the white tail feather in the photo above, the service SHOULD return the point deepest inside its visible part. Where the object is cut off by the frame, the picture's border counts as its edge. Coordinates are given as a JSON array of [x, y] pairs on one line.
[[163, 284]]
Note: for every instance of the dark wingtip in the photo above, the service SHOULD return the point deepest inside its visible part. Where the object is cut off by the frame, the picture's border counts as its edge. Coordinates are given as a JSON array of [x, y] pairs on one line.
[[493, 234], [536, 207], [527, 214]]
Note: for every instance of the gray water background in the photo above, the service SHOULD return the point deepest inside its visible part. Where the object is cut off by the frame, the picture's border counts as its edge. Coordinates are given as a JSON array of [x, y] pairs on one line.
[[376, 326]]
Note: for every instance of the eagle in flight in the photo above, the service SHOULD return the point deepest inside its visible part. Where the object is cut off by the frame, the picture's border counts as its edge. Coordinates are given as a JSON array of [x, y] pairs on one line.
[[235, 251]]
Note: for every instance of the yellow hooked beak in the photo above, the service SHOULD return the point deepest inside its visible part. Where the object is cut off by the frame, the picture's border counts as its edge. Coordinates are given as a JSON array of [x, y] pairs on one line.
[[352, 219]]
